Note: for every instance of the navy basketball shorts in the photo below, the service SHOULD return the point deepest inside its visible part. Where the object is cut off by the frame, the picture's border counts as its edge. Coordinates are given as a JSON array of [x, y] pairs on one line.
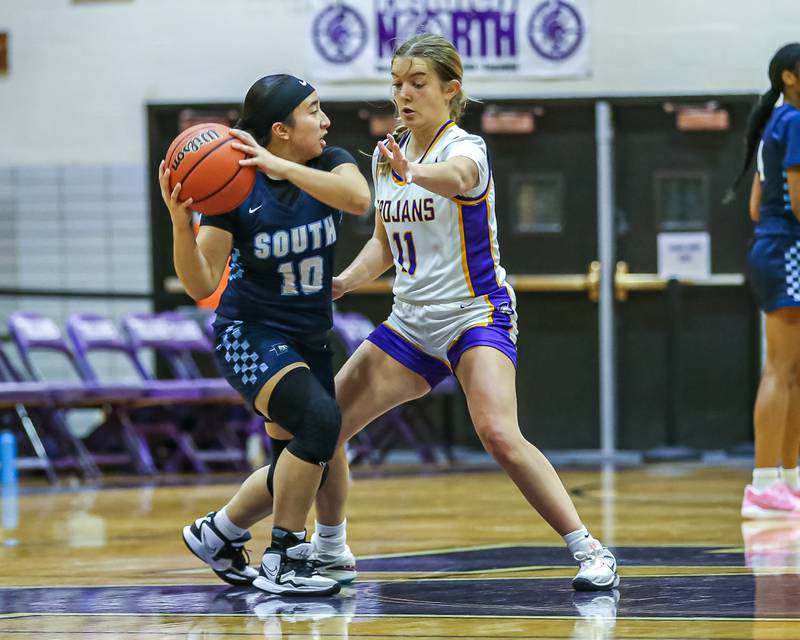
[[774, 271], [430, 339], [250, 353]]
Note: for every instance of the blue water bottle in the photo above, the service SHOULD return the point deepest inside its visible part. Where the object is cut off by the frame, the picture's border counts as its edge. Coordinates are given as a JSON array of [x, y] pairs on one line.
[[8, 459]]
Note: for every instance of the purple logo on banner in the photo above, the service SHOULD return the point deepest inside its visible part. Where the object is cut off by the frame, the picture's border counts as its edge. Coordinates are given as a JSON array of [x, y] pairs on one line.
[[555, 30], [339, 33]]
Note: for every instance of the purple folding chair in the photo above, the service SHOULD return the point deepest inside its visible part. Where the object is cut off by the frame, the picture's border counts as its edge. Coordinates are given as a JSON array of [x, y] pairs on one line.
[[176, 338], [164, 405], [16, 397], [91, 332], [33, 333], [373, 443]]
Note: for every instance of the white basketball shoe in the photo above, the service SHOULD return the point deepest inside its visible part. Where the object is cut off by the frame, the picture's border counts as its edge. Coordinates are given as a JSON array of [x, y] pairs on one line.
[[340, 566], [597, 567]]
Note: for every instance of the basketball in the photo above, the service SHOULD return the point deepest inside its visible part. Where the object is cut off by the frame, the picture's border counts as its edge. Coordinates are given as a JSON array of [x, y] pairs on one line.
[[202, 159]]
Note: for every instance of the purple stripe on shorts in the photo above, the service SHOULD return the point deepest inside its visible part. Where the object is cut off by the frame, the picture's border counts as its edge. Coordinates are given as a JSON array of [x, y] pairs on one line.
[[503, 307], [433, 370], [480, 262], [495, 336]]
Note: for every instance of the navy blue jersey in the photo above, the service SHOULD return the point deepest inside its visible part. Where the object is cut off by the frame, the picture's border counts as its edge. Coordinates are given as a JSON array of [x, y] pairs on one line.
[[779, 150], [282, 256]]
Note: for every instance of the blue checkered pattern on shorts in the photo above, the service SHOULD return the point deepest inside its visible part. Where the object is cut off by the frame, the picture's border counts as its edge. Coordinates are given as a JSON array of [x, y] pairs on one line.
[[792, 257], [237, 351]]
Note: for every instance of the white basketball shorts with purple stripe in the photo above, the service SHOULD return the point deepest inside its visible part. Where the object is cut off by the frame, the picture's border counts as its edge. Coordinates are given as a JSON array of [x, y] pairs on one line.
[[430, 339]]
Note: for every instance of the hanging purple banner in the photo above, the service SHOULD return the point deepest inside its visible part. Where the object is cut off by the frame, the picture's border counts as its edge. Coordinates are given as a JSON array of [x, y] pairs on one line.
[[355, 39]]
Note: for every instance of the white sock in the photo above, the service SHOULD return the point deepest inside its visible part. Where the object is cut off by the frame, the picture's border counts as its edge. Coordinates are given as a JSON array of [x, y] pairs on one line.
[[764, 477], [331, 538], [576, 540], [791, 477], [226, 527], [300, 535]]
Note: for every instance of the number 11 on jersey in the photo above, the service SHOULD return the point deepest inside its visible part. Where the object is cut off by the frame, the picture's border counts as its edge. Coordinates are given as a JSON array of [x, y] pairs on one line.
[[411, 252]]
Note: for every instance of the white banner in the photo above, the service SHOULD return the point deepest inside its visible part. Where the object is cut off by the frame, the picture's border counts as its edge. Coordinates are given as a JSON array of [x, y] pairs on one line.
[[355, 39]]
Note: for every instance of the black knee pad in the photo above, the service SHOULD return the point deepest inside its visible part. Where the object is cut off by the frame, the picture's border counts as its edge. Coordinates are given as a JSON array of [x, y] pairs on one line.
[[315, 441], [300, 404]]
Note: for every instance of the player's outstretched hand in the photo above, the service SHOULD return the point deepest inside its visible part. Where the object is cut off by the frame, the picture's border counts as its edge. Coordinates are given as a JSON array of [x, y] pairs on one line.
[[260, 158], [390, 150], [179, 210]]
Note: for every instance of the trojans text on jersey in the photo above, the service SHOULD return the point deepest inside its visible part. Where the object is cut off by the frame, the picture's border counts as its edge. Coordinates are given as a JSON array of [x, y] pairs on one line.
[[418, 210]]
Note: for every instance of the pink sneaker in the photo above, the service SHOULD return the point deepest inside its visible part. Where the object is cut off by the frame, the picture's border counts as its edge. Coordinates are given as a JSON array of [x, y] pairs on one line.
[[776, 501], [794, 492]]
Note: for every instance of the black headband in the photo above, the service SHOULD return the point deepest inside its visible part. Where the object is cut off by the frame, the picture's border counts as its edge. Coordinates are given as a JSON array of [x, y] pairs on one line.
[[285, 96]]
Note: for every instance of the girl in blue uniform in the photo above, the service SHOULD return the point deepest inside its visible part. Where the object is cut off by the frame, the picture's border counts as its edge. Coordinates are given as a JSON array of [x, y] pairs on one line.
[[274, 316], [773, 135]]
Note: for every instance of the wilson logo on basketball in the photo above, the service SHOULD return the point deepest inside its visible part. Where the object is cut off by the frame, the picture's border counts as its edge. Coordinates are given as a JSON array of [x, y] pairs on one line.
[[193, 145], [203, 159]]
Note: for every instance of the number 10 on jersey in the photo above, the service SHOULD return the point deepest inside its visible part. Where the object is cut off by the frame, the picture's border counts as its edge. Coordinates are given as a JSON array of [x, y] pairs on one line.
[[310, 271], [411, 252]]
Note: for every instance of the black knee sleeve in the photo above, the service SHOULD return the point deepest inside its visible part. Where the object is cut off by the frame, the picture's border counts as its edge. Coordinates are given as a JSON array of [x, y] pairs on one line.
[[316, 440], [300, 404]]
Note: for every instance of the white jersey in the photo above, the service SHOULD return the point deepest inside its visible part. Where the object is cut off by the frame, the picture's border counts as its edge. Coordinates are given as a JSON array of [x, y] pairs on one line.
[[445, 249]]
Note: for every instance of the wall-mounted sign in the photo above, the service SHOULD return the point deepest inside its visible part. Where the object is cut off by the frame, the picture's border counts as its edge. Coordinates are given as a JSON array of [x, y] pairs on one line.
[[355, 39], [684, 255]]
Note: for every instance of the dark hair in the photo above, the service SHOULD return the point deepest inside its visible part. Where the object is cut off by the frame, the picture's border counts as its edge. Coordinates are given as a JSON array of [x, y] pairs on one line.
[[787, 58], [256, 115]]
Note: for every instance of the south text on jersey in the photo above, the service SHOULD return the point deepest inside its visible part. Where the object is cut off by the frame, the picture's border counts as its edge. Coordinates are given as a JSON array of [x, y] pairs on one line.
[[297, 240]]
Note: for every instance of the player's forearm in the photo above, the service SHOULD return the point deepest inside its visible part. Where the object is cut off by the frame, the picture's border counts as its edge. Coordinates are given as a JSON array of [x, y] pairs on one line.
[[192, 268], [448, 179], [372, 261], [339, 191]]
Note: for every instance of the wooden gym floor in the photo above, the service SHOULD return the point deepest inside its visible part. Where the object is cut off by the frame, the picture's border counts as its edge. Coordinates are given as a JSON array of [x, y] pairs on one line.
[[456, 555]]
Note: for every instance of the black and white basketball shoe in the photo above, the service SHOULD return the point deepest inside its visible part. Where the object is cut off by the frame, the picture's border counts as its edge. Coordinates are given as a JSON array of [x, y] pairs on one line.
[[227, 558], [288, 568]]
